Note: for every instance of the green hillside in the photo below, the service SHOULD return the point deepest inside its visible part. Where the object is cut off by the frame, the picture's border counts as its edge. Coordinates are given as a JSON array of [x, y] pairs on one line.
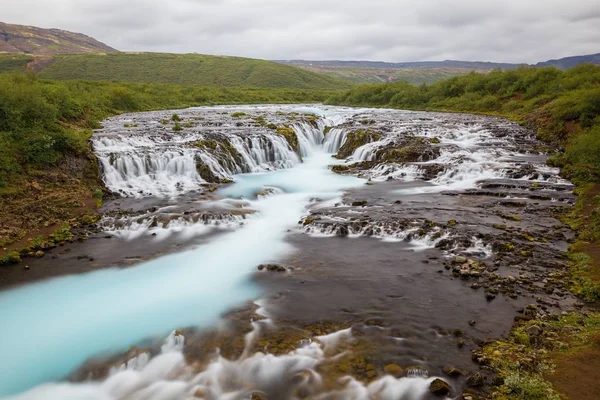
[[185, 69], [415, 76]]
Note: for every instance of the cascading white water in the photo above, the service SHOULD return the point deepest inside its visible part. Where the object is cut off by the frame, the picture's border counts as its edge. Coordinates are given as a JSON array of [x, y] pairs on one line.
[[154, 169], [166, 172], [334, 140]]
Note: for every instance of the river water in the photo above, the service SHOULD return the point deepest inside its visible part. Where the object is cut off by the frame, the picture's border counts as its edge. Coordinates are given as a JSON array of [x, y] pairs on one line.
[[53, 326]]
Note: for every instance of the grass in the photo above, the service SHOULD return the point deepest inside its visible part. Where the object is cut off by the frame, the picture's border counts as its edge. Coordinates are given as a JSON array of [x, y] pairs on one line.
[[179, 69]]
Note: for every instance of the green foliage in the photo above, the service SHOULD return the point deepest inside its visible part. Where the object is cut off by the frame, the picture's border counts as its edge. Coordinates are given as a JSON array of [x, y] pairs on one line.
[[183, 69], [527, 386], [177, 127]]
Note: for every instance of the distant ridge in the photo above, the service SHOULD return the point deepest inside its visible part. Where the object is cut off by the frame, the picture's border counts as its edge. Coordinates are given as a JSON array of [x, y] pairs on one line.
[[38, 41], [570, 62], [475, 65], [562, 63], [421, 71]]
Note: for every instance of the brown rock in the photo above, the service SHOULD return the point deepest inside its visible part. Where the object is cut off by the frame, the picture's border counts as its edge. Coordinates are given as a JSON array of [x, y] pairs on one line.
[[394, 370], [439, 387]]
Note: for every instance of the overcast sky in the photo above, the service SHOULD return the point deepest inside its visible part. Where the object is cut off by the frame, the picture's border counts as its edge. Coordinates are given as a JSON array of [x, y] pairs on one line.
[[378, 30]]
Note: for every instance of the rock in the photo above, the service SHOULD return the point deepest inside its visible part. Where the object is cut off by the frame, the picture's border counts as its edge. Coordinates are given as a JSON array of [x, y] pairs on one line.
[[26, 267], [472, 322], [534, 330], [439, 387], [476, 380], [200, 393], [272, 267], [460, 343], [452, 372], [39, 254], [258, 396], [490, 296], [394, 370], [460, 260], [359, 203]]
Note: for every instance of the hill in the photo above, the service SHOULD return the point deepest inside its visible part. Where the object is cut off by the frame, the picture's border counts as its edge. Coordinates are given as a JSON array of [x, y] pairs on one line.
[[471, 65], [179, 69], [33, 40], [570, 62], [421, 71]]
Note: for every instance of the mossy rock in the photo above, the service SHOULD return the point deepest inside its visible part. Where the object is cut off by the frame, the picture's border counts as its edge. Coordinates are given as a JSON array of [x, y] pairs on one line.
[[394, 370], [11, 258], [340, 168], [290, 136], [413, 151], [356, 139], [205, 144], [439, 387]]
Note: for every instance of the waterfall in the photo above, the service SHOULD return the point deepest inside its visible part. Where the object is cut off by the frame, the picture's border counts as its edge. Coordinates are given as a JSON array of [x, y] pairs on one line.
[[334, 139], [146, 163]]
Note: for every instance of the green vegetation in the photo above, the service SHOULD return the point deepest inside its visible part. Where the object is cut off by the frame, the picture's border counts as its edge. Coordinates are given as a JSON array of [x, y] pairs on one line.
[[44, 130], [14, 62], [177, 69], [543, 355], [414, 76]]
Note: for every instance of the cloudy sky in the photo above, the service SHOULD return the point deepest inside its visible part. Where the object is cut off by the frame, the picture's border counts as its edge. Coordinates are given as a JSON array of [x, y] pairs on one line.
[[383, 30]]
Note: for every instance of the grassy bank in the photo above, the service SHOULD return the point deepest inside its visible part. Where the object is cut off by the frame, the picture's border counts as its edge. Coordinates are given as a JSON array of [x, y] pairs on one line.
[[48, 175], [564, 109]]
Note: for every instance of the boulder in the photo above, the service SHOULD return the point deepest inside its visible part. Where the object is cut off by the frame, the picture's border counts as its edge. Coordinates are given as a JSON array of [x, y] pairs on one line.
[[534, 330], [475, 380], [394, 370], [452, 372], [439, 387]]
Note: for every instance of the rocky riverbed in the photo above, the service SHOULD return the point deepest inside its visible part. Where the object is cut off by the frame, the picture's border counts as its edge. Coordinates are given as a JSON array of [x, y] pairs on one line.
[[380, 249]]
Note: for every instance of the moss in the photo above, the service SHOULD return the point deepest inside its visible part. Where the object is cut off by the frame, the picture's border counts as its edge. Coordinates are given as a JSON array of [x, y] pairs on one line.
[[415, 150], [308, 221], [290, 136], [356, 139], [435, 141], [506, 247], [512, 217], [327, 130], [340, 168], [11, 258], [177, 127], [239, 114], [205, 144], [175, 118]]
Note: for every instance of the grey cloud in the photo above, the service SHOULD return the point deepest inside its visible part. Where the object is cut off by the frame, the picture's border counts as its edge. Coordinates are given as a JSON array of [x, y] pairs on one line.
[[399, 30]]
